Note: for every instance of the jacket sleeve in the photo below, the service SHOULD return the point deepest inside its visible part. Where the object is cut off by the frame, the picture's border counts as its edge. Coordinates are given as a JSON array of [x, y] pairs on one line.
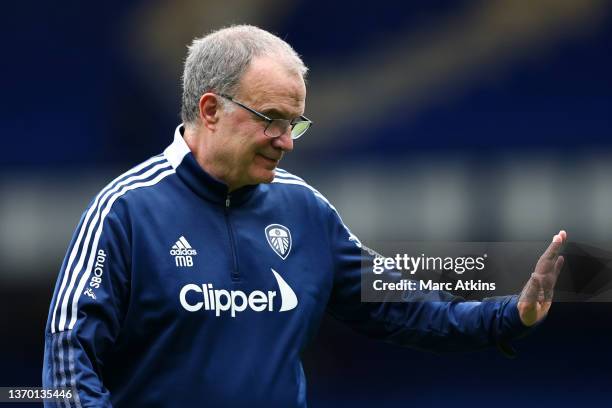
[[88, 307], [434, 320]]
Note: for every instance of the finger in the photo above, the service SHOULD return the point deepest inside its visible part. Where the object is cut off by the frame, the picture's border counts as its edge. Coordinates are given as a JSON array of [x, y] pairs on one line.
[[547, 283], [558, 267], [563, 235], [553, 249]]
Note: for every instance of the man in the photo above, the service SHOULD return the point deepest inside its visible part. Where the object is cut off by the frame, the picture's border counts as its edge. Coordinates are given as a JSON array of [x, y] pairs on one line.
[[198, 277]]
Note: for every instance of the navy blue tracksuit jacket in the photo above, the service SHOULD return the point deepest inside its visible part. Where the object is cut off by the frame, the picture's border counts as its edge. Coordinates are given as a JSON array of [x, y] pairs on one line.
[[176, 293]]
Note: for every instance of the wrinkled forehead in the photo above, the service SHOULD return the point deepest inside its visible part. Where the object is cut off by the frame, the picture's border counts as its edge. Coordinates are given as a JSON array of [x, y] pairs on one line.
[[273, 84]]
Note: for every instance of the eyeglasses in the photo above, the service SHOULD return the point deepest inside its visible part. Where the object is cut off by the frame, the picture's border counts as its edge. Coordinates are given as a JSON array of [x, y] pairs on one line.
[[277, 127]]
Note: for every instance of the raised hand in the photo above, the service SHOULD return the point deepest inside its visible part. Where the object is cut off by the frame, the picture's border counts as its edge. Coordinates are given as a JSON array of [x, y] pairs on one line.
[[536, 296]]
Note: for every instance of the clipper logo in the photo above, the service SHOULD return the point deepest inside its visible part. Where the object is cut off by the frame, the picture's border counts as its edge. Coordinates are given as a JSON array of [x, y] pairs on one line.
[[183, 253], [279, 238], [236, 301]]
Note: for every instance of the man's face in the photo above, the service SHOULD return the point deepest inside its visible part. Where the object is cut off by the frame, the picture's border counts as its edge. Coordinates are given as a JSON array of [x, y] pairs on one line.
[[270, 88]]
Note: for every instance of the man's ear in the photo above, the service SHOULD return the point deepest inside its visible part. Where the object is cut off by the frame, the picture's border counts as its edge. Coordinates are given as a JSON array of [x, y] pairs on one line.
[[209, 110]]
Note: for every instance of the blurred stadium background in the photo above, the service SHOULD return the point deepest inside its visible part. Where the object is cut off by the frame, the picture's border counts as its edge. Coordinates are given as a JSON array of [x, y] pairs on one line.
[[453, 120]]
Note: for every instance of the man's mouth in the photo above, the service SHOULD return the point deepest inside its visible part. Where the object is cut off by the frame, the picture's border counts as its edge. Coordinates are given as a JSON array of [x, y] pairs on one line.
[[270, 159]]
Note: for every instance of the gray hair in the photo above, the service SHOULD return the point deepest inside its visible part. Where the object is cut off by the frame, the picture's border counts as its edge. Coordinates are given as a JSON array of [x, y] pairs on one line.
[[217, 61]]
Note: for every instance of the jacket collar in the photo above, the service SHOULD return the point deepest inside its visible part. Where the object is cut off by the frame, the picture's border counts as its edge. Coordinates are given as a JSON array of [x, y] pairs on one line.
[[198, 180]]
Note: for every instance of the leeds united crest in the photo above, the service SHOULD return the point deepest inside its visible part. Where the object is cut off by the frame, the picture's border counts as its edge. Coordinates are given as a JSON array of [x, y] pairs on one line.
[[279, 238]]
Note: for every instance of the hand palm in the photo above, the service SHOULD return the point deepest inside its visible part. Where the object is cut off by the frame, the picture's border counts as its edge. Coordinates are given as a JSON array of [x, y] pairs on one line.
[[536, 297]]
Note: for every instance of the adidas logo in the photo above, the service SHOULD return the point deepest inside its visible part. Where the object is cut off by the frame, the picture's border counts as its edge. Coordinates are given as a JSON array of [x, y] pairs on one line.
[[183, 253]]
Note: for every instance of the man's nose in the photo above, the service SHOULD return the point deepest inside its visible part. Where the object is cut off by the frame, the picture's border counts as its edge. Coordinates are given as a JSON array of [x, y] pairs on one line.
[[284, 141]]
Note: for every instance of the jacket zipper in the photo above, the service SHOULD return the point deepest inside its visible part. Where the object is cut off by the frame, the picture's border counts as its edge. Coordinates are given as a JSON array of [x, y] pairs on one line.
[[235, 274]]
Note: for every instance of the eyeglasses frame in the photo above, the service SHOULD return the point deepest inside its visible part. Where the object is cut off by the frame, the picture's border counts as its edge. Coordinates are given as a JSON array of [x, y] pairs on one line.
[[269, 120]]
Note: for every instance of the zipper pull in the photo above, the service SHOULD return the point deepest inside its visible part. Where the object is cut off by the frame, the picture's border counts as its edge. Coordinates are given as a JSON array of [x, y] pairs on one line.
[[227, 201]]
